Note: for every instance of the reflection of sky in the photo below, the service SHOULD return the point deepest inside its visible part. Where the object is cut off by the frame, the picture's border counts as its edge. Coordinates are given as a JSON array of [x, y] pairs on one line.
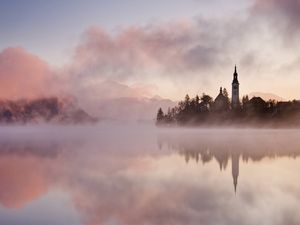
[[54, 208], [101, 175]]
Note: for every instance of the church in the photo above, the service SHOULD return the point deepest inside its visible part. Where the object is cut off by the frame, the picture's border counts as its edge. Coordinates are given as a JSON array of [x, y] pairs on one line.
[[222, 103]]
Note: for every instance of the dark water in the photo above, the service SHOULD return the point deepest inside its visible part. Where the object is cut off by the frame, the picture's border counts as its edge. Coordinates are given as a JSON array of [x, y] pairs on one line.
[[135, 174]]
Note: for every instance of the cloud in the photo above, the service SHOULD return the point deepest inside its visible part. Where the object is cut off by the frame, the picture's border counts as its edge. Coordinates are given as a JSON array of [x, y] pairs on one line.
[[24, 75], [282, 15], [156, 49], [166, 58]]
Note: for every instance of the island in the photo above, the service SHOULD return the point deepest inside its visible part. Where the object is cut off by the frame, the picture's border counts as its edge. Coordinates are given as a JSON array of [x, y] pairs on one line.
[[223, 111]]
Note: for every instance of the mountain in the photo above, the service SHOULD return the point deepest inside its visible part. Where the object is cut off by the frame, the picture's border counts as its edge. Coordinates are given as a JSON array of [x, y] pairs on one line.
[[43, 110], [266, 96], [137, 109], [115, 101]]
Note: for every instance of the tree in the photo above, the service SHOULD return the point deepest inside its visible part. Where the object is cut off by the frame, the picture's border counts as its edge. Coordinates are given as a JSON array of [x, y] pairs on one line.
[[271, 104], [169, 116], [197, 99], [206, 99], [187, 101], [225, 93], [160, 116], [245, 100]]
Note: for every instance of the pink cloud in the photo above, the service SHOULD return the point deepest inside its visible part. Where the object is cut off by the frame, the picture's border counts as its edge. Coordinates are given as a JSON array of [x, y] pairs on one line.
[[23, 75], [167, 49]]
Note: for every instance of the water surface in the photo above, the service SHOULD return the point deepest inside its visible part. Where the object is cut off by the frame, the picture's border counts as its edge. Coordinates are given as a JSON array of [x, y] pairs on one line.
[[137, 174]]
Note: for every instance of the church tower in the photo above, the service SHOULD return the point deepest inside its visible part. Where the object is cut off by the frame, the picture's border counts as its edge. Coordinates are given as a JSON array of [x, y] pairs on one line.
[[235, 100]]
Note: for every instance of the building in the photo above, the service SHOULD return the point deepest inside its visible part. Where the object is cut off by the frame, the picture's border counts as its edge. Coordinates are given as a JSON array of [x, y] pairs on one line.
[[255, 105], [221, 102], [235, 100]]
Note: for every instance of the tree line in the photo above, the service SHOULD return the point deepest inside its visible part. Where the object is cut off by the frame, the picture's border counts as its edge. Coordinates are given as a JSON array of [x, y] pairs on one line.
[[204, 111]]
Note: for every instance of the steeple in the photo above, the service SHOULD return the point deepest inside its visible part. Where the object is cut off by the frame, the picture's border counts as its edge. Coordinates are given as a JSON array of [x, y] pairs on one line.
[[235, 100], [221, 90], [235, 76]]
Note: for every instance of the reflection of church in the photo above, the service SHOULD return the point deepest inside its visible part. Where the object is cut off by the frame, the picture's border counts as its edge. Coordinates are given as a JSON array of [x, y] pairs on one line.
[[235, 164], [221, 158], [223, 147]]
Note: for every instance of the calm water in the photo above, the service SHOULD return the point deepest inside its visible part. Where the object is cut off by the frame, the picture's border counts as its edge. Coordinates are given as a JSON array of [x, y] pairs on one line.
[[136, 174]]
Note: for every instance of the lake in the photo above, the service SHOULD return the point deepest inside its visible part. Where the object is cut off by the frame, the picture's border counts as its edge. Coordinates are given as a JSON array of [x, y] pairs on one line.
[[135, 174]]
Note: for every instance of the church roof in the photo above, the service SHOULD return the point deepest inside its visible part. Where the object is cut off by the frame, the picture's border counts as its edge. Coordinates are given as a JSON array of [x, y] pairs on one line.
[[257, 100], [220, 96]]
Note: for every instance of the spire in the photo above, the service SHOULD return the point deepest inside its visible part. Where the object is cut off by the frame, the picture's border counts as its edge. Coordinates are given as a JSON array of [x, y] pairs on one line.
[[221, 90], [235, 75]]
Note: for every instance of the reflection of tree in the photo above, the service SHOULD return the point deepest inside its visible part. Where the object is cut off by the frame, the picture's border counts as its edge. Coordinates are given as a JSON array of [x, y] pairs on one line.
[[231, 145]]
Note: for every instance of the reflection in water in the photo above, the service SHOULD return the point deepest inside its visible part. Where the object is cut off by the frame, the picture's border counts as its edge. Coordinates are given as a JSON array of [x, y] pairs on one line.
[[235, 170], [225, 144], [95, 174]]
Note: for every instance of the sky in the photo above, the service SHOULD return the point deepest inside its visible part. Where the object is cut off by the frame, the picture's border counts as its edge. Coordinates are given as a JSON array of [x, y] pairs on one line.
[[135, 48], [48, 28]]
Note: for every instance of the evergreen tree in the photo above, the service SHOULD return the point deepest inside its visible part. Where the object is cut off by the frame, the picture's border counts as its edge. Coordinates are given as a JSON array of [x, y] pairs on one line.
[[160, 116], [169, 116], [206, 99], [225, 93], [197, 99], [245, 100], [187, 102]]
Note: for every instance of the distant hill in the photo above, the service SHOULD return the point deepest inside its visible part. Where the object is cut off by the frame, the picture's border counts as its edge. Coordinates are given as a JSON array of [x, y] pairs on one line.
[[111, 100], [136, 109], [266, 96], [43, 110]]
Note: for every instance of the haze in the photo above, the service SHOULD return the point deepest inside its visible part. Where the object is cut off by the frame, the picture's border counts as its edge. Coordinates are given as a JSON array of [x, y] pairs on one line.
[[81, 83]]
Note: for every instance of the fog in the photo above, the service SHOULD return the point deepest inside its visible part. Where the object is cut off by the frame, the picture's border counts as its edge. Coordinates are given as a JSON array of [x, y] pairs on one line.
[[167, 176]]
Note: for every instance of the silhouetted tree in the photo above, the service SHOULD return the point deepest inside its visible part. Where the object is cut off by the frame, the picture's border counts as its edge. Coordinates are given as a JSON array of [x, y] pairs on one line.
[[187, 102], [225, 93], [160, 116], [271, 105], [206, 99], [245, 100], [204, 110], [197, 99], [169, 117]]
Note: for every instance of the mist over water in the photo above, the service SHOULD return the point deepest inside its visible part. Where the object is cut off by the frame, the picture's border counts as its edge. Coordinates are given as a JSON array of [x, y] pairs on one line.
[[138, 174]]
